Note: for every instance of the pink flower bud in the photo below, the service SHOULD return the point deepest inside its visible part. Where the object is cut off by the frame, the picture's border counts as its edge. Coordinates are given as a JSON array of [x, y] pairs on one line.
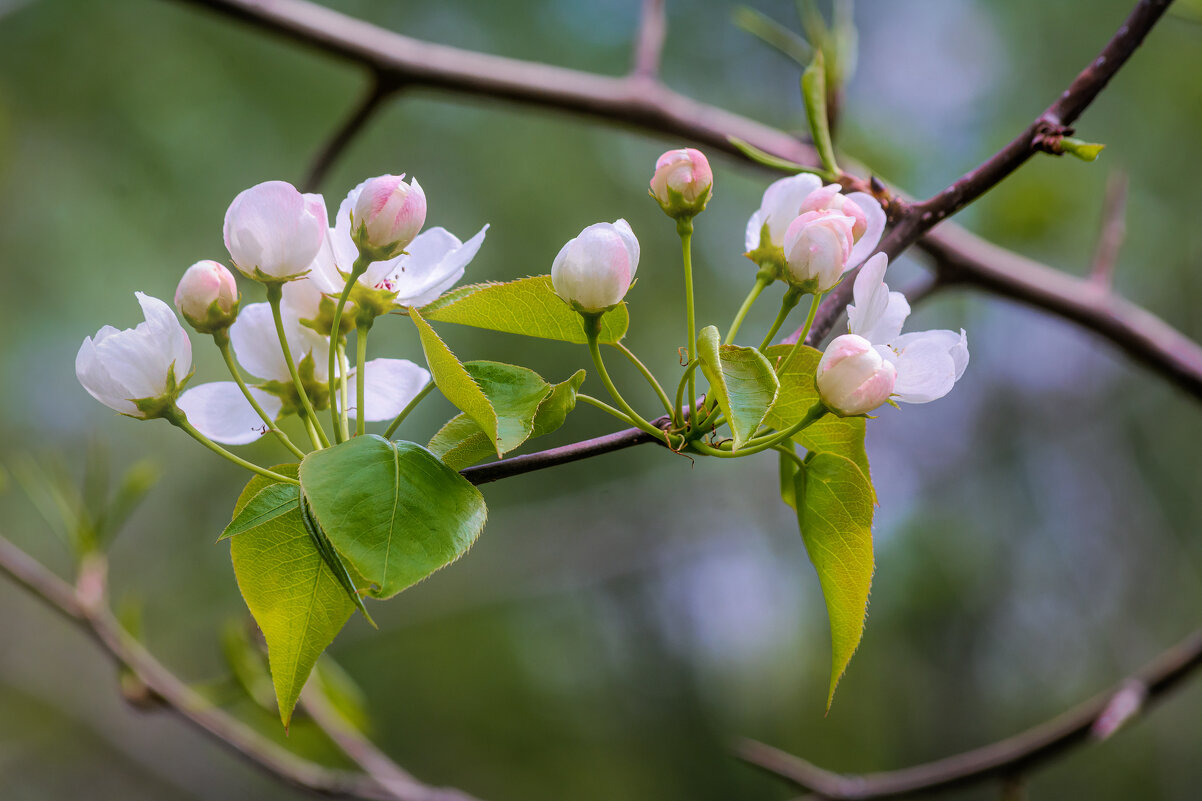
[[388, 214], [273, 231], [830, 198], [683, 182], [853, 377], [593, 271], [817, 247], [207, 297]]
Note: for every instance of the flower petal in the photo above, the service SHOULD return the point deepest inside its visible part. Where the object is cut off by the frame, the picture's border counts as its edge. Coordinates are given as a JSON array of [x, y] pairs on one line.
[[877, 314], [435, 261], [876, 226], [926, 368], [220, 411], [389, 385], [782, 203], [166, 333], [755, 225]]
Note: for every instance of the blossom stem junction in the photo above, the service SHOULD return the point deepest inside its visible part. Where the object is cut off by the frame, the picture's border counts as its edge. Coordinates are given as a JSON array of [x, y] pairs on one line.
[[684, 227]]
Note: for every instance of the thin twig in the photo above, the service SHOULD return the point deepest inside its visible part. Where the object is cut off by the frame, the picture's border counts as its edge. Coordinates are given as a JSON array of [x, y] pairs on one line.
[[649, 44], [341, 139], [1113, 230], [1010, 757]]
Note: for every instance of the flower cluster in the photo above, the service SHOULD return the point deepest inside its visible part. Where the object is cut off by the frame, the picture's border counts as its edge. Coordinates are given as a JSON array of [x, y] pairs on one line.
[[283, 239]]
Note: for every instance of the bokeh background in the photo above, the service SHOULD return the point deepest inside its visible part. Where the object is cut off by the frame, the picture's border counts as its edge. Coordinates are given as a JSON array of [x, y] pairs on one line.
[[622, 620]]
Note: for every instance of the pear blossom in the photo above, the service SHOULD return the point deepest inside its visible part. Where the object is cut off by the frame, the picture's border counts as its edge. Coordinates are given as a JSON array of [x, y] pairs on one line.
[[788, 198], [593, 271], [853, 377], [817, 249], [220, 411], [927, 363], [273, 232], [683, 182], [138, 371], [387, 215], [207, 297]]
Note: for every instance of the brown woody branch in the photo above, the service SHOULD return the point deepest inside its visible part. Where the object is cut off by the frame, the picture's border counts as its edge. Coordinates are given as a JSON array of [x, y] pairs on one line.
[[1092, 721]]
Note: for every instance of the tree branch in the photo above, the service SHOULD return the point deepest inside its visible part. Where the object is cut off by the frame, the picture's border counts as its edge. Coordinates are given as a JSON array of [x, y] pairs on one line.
[[649, 43], [85, 607], [1088, 722]]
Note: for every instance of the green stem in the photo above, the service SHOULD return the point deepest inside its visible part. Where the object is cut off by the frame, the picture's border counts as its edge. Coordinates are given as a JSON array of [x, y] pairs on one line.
[[647, 374], [357, 269], [400, 418], [603, 406], [813, 415], [684, 227], [792, 454], [801, 335], [792, 298], [344, 390], [678, 415], [222, 338], [275, 292], [177, 418], [592, 324], [761, 284], [360, 377]]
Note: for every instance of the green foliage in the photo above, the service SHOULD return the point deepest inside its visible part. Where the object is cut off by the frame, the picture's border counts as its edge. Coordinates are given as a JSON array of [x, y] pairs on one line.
[[515, 394], [460, 443], [834, 503], [273, 500], [840, 435], [292, 592], [392, 510], [788, 472], [813, 90], [527, 306], [741, 380]]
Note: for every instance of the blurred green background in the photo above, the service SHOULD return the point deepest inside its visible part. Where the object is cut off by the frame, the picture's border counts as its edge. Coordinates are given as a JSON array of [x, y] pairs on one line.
[[622, 620]]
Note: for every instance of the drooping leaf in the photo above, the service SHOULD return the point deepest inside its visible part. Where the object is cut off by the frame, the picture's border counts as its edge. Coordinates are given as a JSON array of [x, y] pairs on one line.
[[527, 306], [741, 380], [294, 596], [515, 394], [460, 443], [273, 500], [841, 435], [392, 510], [834, 510]]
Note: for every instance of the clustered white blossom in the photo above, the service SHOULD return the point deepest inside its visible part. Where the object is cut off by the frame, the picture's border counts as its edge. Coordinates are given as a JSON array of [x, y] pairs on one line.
[[276, 234]]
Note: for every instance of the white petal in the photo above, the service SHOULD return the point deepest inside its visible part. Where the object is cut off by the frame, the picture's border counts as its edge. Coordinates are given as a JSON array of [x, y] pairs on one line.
[[926, 369], [438, 256], [876, 226], [171, 340], [220, 412], [91, 372], [782, 203], [630, 241], [755, 225], [877, 314], [257, 345], [389, 385]]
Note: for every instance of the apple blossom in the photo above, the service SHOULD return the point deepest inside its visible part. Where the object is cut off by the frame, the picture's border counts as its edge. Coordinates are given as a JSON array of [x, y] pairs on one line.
[[273, 232], [388, 213], [593, 271], [853, 377], [817, 248], [138, 371], [683, 182], [207, 297], [927, 363]]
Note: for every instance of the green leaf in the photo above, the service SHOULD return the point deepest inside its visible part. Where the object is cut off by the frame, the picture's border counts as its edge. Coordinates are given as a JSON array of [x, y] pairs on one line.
[[834, 511], [772, 33], [515, 394], [788, 472], [742, 381], [1086, 151], [460, 443], [841, 435], [273, 500], [527, 306], [813, 90], [391, 509], [294, 596], [775, 162]]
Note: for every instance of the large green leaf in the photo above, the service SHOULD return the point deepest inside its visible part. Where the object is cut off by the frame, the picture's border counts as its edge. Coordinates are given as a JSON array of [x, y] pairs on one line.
[[294, 596], [841, 435], [515, 394], [460, 443], [742, 382], [526, 306], [391, 509], [834, 511]]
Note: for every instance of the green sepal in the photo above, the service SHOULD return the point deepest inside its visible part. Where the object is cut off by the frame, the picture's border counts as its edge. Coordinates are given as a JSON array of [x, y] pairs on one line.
[[371, 303], [318, 391], [161, 405], [678, 208], [323, 323], [769, 257], [216, 319]]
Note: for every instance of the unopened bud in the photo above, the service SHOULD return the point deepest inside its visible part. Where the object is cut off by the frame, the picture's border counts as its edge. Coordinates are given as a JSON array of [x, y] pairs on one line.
[[592, 272], [273, 232], [853, 377], [683, 182], [388, 214], [817, 247], [207, 297]]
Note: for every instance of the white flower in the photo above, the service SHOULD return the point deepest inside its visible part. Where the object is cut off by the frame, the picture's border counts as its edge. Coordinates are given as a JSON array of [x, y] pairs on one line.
[[221, 412], [435, 262], [788, 198], [928, 363], [273, 232], [817, 248], [853, 377], [146, 364], [593, 271], [207, 297]]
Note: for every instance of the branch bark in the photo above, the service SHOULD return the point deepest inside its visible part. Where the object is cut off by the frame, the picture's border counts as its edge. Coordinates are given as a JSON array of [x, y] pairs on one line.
[[1005, 759]]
